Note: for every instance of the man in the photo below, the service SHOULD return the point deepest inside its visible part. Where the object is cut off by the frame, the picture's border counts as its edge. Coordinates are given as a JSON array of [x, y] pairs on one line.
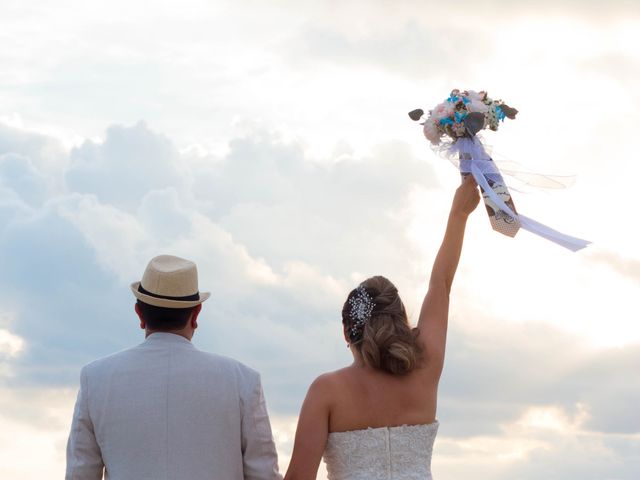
[[165, 410]]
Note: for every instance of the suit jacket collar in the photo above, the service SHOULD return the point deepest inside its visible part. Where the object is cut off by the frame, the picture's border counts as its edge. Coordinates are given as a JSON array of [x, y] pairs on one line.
[[158, 338]]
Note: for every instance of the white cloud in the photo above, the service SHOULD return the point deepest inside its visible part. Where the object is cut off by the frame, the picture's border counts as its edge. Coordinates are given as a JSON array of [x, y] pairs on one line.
[[34, 158], [34, 420], [233, 216], [623, 265], [130, 162], [11, 207], [544, 442], [18, 173], [114, 235], [496, 371], [553, 418], [10, 345]]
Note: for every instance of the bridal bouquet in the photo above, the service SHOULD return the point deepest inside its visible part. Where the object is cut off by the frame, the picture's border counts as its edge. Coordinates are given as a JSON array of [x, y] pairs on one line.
[[452, 127], [461, 112]]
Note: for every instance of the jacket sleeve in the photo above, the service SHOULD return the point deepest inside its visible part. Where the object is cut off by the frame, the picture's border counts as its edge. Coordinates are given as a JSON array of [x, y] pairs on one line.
[[84, 460], [260, 460]]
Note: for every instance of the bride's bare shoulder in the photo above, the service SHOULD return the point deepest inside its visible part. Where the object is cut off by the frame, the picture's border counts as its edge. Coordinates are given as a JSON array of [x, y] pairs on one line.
[[329, 382]]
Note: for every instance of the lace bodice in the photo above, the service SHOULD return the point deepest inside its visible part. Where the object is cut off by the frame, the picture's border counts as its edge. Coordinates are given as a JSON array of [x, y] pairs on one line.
[[398, 453]]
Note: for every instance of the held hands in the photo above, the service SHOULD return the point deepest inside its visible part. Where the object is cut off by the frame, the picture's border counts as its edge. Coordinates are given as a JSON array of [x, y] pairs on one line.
[[466, 198]]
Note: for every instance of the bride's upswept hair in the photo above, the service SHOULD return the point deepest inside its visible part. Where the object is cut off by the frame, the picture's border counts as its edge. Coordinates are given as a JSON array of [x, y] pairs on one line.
[[376, 323]]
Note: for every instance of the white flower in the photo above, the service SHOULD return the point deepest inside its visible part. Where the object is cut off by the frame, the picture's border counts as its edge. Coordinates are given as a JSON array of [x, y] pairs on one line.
[[431, 131], [473, 95], [443, 110], [477, 106]]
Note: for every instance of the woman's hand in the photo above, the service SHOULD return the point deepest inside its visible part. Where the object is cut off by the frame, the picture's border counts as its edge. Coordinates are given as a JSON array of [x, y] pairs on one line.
[[466, 198]]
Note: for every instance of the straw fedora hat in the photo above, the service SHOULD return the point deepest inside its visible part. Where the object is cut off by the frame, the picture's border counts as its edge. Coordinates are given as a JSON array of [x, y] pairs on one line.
[[170, 282]]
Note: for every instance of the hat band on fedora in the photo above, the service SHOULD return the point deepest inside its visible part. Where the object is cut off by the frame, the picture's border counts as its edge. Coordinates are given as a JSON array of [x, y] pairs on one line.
[[187, 298]]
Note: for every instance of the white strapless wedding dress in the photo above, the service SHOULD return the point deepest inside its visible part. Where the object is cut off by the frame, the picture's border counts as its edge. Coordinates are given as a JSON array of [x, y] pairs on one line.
[[398, 453]]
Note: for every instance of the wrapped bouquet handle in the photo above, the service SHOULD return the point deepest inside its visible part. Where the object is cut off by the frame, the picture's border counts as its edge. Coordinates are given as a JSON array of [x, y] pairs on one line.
[[452, 128]]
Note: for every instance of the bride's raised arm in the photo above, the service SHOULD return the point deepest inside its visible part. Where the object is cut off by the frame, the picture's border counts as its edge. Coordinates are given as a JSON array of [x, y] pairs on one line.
[[434, 314]]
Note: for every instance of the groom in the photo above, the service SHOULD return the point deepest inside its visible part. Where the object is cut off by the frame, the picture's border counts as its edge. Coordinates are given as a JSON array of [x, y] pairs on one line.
[[164, 409]]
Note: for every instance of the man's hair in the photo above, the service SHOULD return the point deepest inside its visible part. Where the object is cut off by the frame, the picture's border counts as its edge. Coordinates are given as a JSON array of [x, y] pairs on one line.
[[164, 319]]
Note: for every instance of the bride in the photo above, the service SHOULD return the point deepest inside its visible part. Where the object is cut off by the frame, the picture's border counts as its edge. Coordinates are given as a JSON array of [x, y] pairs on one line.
[[376, 419]]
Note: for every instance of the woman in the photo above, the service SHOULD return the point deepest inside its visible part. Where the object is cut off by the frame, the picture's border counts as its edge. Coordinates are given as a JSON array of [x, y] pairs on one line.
[[377, 418]]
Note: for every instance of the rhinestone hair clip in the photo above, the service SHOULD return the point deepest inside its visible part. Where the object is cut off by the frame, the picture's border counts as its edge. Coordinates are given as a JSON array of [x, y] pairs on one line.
[[362, 305]]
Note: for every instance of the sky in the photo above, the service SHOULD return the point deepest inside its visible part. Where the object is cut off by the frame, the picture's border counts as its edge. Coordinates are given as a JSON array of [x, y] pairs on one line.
[[269, 142]]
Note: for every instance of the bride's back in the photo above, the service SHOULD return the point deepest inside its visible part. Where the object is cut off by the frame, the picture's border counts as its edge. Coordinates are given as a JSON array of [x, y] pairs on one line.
[[381, 426], [364, 397]]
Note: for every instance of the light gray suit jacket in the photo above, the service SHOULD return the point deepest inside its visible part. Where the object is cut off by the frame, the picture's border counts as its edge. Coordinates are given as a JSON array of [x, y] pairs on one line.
[[165, 410]]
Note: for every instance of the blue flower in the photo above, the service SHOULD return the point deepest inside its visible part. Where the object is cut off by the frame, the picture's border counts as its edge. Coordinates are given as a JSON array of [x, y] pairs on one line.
[[500, 115], [453, 98], [465, 100], [459, 116], [446, 121]]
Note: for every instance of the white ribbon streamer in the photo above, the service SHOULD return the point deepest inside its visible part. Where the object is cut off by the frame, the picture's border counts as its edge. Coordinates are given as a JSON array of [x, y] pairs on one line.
[[475, 160]]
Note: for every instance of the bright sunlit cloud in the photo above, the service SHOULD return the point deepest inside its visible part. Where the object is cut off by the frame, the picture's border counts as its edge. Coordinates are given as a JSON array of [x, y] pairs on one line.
[[10, 345]]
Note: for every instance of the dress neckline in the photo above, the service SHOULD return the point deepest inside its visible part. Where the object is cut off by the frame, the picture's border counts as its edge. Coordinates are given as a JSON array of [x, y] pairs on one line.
[[432, 425]]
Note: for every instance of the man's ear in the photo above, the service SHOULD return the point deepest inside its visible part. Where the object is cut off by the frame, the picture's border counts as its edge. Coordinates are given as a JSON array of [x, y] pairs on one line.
[[194, 315], [143, 324]]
